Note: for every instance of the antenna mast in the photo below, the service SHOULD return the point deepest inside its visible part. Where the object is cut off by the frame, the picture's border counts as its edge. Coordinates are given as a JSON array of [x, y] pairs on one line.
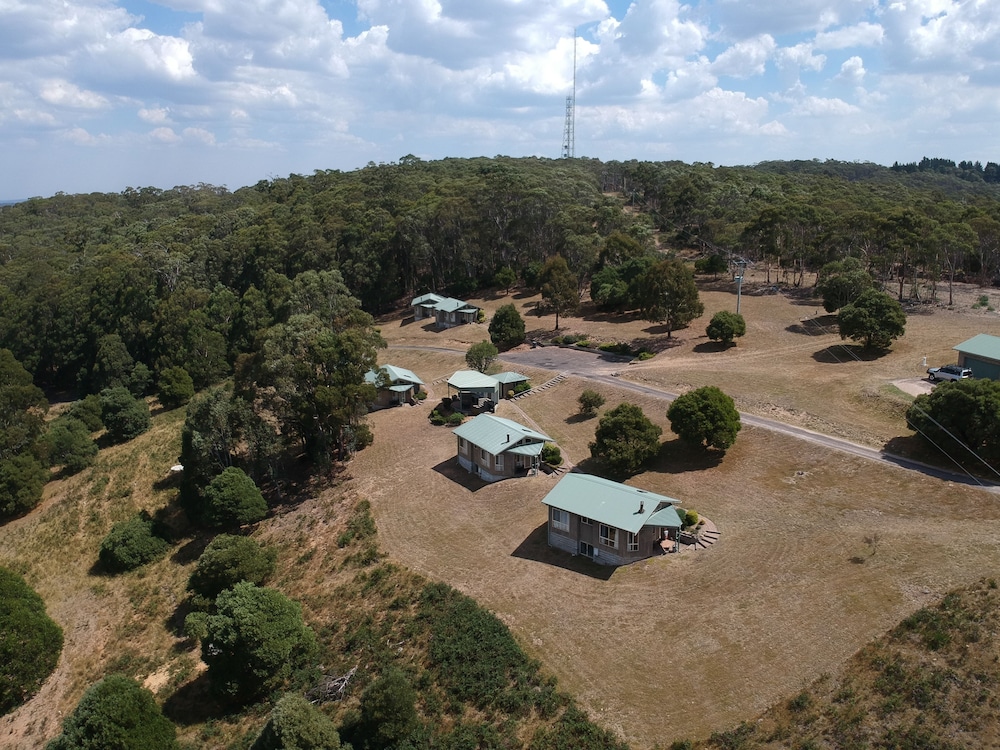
[[569, 130]]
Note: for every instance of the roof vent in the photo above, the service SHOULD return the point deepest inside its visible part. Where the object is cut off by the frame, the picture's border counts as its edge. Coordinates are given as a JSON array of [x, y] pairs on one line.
[[508, 437], [642, 506]]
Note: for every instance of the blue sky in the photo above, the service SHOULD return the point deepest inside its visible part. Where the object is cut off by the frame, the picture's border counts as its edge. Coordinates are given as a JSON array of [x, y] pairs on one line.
[[100, 95]]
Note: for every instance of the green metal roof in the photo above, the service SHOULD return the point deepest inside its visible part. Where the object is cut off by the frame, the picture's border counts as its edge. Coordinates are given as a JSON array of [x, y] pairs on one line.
[[611, 503], [472, 380], [395, 374], [497, 435], [983, 345], [429, 299], [509, 377]]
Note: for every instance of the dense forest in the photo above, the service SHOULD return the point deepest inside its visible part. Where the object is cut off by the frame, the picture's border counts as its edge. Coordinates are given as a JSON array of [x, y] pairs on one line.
[[263, 302]]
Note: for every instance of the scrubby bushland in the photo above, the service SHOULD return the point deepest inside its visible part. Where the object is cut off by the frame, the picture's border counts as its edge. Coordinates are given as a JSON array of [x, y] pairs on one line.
[[30, 642], [116, 713], [254, 642], [131, 544], [228, 560]]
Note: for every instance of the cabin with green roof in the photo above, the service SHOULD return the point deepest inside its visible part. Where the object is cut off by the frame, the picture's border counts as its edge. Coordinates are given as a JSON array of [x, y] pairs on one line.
[[395, 386], [495, 448], [981, 354], [446, 311], [609, 522]]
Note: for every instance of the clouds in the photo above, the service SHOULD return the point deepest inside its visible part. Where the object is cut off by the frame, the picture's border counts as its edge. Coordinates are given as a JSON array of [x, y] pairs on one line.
[[231, 91]]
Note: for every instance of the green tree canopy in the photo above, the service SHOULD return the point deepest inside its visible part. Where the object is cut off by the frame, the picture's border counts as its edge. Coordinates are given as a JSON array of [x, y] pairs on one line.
[[841, 282], [505, 278], [22, 479], [232, 499], [296, 724], [625, 439], [112, 363], [229, 559], [668, 294], [559, 287], [131, 544], [507, 327], [480, 356], [175, 387], [967, 411], [388, 711], [874, 318], [725, 326], [254, 642], [116, 713], [68, 443], [22, 407], [590, 401], [125, 416], [705, 417], [30, 642]]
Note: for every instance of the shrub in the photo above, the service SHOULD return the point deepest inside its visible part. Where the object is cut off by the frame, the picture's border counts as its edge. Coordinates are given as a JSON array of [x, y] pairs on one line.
[[175, 387], [30, 642], [625, 439], [455, 418], [388, 711], [88, 411], [644, 355], [616, 348], [231, 499], [22, 479], [117, 712], [726, 326], [131, 544], [254, 642], [590, 401], [690, 518], [124, 416], [437, 418], [551, 454], [575, 730], [705, 417], [296, 724], [68, 443], [507, 327], [521, 387], [421, 395], [229, 559]]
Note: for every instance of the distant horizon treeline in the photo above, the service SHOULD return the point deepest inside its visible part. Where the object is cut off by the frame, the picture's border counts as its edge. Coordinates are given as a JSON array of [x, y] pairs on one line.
[[189, 276]]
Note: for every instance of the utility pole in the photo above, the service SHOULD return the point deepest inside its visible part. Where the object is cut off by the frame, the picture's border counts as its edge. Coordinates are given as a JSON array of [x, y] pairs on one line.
[[569, 129], [741, 266]]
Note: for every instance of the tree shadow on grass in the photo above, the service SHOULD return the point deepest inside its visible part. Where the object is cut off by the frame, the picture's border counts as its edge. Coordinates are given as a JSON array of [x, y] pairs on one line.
[[536, 547], [841, 353], [817, 326], [707, 347], [193, 703], [577, 418], [677, 457], [451, 469]]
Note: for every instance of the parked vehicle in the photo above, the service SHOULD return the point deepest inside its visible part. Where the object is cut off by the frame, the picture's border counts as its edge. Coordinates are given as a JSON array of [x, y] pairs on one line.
[[948, 372]]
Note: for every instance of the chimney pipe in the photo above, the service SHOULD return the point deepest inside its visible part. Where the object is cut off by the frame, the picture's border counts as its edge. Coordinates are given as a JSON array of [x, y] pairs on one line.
[[642, 505]]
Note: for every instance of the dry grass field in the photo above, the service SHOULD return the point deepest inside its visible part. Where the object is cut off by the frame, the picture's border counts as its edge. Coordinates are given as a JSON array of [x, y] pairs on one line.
[[673, 647], [680, 646]]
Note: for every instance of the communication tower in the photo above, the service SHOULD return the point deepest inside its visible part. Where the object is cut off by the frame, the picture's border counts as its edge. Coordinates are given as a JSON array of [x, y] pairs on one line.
[[569, 130]]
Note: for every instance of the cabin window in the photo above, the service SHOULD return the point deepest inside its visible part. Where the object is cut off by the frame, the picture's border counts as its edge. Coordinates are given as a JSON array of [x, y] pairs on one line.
[[483, 454], [560, 519], [586, 521], [463, 445], [586, 549], [498, 462], [633, 542], [609, 536]]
